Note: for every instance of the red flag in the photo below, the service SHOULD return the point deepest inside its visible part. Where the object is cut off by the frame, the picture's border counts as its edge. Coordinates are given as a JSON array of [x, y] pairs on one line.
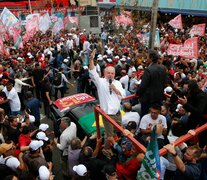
[[198, 29], [176, 22], [188, 50]]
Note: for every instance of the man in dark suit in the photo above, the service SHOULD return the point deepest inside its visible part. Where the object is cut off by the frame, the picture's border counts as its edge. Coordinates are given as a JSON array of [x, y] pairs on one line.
[[153, 82]]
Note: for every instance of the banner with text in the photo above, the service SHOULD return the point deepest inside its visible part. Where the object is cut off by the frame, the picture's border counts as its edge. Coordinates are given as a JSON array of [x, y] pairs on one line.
[[188, 50], [198, 29]]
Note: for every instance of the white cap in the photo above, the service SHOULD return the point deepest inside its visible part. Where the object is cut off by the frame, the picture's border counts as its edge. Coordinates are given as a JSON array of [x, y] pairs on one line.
[[100, 55], [85, 67], [65, 60], [35, 144], [178, 107], [168, 89], [100, 58], [62, 39], [29, 54], [84, 29], [44, 173], [30, 57], [80, 170], [70, 34], [117, 57], [42, 136], [43, 127], [49, 53], [105, 46], [109, 60], [19, 58], [109, 37], [123, 59], [140, 67], [31, 118]]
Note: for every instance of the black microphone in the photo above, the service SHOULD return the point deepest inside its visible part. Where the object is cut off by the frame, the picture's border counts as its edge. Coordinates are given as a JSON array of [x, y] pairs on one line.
[[110, 81]]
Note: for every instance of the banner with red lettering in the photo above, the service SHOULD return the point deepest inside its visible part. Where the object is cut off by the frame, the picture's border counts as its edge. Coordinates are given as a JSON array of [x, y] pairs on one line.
[[198, 29], [176, 22], [188, 50]]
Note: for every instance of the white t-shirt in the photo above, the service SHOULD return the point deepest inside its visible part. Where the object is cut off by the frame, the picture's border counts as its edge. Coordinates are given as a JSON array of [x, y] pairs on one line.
[[110, 103], [130, 116], [13, 98], [131, 69], [147, 120], [125, 80], [19, 83]]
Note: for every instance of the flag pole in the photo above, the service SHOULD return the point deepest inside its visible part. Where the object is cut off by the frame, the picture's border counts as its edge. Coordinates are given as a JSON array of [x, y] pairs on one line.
[[30, 8]]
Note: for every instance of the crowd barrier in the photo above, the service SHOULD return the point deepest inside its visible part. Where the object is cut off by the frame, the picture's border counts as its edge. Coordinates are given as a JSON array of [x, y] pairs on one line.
[[141, 148]]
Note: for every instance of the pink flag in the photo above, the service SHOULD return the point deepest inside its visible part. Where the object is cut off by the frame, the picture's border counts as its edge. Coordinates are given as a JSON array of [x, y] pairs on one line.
[[188, 50], [3, 32], [1, 46], [73, 20], [198, 29], [176, 22], [123, 20], [32, 24]]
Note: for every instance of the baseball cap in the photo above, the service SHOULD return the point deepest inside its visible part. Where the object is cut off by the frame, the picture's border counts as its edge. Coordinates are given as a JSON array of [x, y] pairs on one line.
[[35, 144], [100, 58], [44, 173], [31, 118], [80, 170], [43, 127], [65, 60], [42, 136], [140, 67], [168, 89], [85, 67], [4, 147], [178, 107]]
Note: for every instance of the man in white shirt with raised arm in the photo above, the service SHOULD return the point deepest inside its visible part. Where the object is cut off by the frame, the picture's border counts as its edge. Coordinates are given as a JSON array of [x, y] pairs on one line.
[[110, 93]]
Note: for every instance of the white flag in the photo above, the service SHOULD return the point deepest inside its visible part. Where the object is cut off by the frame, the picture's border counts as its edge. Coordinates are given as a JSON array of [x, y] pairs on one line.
[[8, 18], [59, 25], [44, 22]]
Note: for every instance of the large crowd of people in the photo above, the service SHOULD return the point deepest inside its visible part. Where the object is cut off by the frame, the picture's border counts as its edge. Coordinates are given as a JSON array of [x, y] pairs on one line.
[[171, 96]]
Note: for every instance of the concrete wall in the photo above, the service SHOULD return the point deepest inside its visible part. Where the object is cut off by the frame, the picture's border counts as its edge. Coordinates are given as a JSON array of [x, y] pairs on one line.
[[87, 23]]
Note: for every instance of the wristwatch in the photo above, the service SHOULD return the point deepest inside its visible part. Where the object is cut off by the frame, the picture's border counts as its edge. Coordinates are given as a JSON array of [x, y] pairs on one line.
[[175, 154]]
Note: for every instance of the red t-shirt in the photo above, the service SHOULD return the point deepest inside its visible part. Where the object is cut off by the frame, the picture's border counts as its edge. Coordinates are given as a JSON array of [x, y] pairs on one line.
[[24, 140], [128, 170]]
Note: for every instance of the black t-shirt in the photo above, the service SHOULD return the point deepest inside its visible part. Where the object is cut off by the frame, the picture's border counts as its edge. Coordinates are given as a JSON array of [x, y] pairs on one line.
[[38, 75], [4, 106], [192, 172], [13, 134], [46, 87]]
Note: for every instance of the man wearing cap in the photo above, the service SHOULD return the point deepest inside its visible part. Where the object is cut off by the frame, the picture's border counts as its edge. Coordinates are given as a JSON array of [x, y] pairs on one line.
[[110, 93], [34, 159], [8, 153]]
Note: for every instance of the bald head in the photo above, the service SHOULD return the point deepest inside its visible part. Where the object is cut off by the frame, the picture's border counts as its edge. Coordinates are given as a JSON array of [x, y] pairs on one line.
[[109, 72]]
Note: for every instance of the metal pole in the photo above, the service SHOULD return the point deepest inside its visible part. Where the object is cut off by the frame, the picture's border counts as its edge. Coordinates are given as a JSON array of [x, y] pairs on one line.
[[153, 23], [30, 8], [79, 15]]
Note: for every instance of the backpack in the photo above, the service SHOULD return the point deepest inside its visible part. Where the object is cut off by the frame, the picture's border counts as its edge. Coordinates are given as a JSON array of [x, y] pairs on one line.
[[57, 79], [5, 170]]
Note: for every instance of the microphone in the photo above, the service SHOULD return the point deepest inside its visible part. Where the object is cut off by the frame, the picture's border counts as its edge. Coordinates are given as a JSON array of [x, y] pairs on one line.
[[110, 81]]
